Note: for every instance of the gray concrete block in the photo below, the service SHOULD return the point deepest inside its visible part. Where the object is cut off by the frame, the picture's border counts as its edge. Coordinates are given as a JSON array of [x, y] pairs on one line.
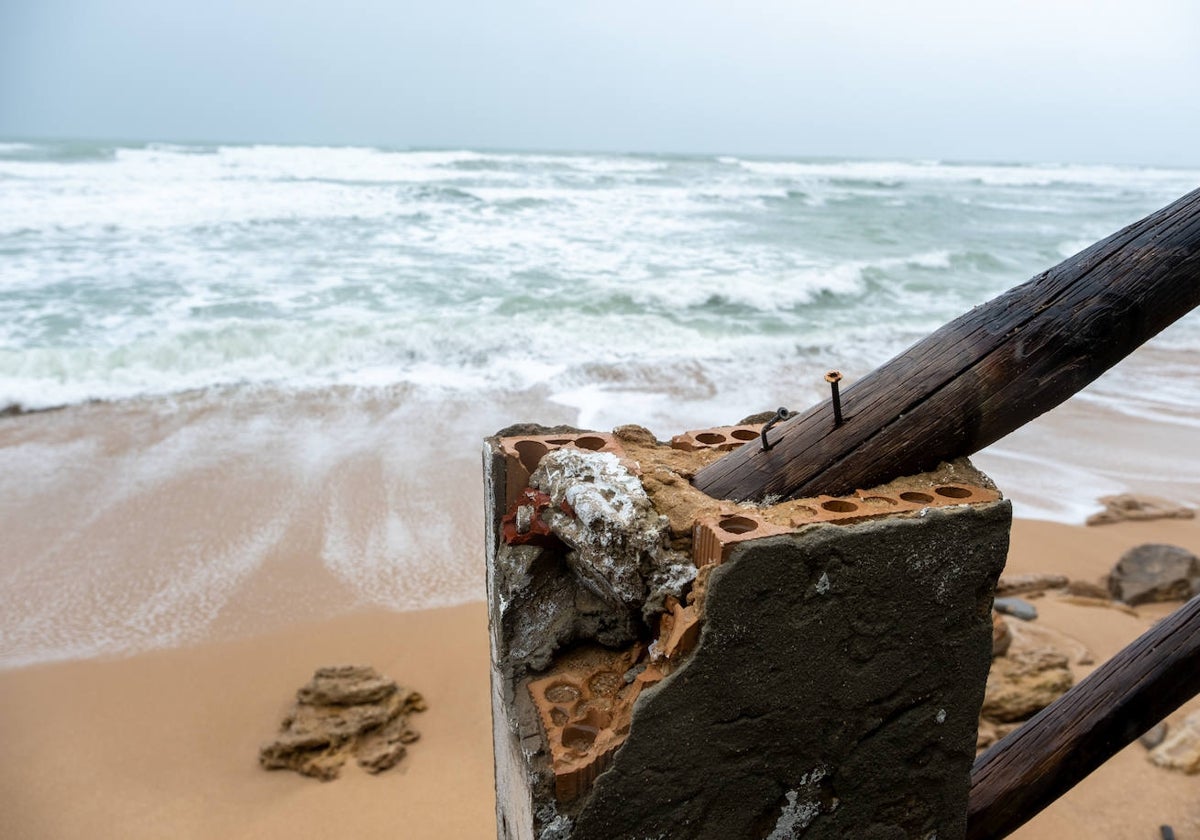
[[834, 690]]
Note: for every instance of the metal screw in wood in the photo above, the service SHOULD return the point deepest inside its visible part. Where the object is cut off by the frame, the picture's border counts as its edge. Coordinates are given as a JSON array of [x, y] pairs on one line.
[[833, 378], [781, 414]]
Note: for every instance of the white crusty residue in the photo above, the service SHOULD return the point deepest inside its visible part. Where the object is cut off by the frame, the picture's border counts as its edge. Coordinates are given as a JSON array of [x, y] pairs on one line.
[[618, 540]]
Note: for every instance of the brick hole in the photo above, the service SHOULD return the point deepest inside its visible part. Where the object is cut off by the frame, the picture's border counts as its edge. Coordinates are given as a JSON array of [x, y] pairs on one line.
[[951, 492], [558, 716], [918, 498], [579, 737], [879, 502], [559, 441], [710, 438], [800, 515], [590, 442], [605, 683], [530, 452], [738, 525], [562, 693], [839, 506], [743, 434]]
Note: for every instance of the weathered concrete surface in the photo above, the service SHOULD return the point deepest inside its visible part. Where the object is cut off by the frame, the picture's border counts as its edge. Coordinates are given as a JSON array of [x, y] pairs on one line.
[[835, 690]]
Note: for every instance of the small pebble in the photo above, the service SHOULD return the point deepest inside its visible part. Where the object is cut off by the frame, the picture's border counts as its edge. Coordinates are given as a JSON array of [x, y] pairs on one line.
[[1154, 736], [1017, 608]]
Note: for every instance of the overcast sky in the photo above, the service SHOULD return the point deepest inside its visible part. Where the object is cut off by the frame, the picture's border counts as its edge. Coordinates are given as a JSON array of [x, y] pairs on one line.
[[1050, 80]]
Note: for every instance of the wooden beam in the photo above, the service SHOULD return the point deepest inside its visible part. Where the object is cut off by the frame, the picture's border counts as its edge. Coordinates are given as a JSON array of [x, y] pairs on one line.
[[1035, 765], [987, 373]]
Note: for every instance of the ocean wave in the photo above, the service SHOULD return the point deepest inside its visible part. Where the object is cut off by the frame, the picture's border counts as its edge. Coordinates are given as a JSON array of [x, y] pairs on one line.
[[890, 174], [153, 268]]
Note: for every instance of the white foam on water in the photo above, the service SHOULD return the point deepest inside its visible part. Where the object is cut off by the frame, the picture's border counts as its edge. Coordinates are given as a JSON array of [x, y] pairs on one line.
[[476, 289]]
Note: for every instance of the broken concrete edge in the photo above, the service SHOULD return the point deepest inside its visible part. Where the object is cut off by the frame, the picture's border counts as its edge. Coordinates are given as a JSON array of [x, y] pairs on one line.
[[717, 736], [570, 745]]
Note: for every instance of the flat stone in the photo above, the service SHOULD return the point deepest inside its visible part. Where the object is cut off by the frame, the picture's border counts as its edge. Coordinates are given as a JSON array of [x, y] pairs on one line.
[[1009, 585], [1016, 607], [1088, 589], [1155, 572], [1129, 507]]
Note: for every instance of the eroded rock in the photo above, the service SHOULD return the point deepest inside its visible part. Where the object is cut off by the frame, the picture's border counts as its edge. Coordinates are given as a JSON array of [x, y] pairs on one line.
[[1033, 672], [1181, 749], [1155, 572], [1024, 682], [1128, 507], [344, 711]]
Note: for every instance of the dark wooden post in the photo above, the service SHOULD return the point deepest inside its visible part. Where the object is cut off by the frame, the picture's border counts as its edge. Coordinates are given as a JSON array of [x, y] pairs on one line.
[[1018, 777], [987, 373]]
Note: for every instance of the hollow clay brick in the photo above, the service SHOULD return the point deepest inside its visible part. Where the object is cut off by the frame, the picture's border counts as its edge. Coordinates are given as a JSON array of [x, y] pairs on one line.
[[722, 438], [585, 705], [715, 536], [523, 454]]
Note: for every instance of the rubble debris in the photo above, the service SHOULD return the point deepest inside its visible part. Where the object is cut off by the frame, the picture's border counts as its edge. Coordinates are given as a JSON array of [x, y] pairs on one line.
[[1155, 572], [1129, 507], [344, 711], [544, 608], [524, 524], [609, 609], [618, 541]]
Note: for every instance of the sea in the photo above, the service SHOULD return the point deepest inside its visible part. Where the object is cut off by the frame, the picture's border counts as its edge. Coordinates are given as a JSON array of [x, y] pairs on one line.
[[215, 315]]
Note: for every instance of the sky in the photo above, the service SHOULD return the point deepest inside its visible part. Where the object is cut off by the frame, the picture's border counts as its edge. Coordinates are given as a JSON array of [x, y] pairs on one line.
[[1043, 80]]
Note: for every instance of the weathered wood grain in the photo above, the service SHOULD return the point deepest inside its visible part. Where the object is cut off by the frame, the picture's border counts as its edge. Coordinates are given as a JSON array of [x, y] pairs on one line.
[[1022, 774], [986, 373]]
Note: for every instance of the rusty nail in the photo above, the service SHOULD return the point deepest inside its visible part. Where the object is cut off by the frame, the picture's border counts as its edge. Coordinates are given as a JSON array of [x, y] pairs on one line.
[[833, 378], [781, 414]]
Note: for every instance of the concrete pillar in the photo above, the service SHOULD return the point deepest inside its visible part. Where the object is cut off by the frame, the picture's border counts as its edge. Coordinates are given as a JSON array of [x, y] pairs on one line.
[[667, 665]]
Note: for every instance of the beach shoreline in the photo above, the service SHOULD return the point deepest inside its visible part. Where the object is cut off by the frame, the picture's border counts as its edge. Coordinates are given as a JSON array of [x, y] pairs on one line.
[[164, 743]]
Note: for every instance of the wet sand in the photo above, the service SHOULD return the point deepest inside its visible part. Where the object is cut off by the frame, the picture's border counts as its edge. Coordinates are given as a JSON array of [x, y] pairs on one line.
[[163, 744]]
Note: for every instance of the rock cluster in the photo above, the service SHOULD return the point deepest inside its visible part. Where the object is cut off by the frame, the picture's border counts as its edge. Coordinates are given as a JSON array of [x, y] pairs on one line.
[[344, 711], [1030, 670]]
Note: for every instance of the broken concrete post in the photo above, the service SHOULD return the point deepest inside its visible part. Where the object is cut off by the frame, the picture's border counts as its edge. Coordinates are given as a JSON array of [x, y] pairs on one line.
[[665, 664]]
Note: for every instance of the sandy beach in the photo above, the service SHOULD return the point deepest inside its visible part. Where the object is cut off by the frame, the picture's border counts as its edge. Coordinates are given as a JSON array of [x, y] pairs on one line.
[[163, 744]]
